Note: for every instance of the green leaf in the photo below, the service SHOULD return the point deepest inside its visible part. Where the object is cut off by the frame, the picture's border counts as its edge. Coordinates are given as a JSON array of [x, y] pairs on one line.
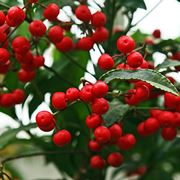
[[134, 4], [152, 77], [116, 112], [10, 135], [168, 63], [139, 37]]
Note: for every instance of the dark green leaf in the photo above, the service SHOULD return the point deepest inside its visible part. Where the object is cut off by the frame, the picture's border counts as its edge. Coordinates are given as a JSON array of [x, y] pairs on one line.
[[134, 4], [168, 63], [152, 77], [116, 112], [10, 134]]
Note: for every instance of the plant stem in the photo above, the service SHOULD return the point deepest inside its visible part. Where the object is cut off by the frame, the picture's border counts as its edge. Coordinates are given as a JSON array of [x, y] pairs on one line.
[[77, 64], [58, 75], [148, 13]]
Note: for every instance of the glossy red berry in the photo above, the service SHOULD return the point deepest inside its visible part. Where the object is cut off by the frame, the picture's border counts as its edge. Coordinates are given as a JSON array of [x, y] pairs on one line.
[[45, 121], [85, 43], [126, 142], [6, 100], [156, 33], [3, 37], [170, 100], [18, 96], [20, 45], [4, 56], [86, 94], [94, 146], [100, 106], [102, 134], [105, 62], [93, 121], [51, 12], [72, 94], [135, 59], [98, 19], [115, 159], [169, 133], [62, 137], [26, 76], [151, 125], [5, 67], [2, 18], [97, 162], [65, 45], [125, 44], [100, 35], [55, 34], [83, 13], [166, 118], [59, 100], [37, 28], [141, 130], [116, 131], [100, 89], [38, 61], [15, 16]]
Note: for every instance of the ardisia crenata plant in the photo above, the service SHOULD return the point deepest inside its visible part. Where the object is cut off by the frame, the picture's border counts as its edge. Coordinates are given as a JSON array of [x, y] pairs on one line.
[[123, 112]]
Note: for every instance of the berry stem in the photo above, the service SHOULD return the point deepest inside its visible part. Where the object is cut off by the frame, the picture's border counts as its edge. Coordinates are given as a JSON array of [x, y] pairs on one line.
[[42, 5], [58, 75]]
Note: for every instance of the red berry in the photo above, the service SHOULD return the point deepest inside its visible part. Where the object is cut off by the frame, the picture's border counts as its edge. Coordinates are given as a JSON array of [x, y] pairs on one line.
[[170, 100], [93, 121], [5, 67], [6, 100], [83, 13], [126, 142], [3, 37], [62, 137], [72, 94], [143, 83], [144, 65], [37, 28], [65, 45], [4, 56], [116, 131], [134, 59], [156, 33], [59, 100], [123, 66], [86, 94], [151, 125], [33, 1], [85, 43], [94, 146], [105, 62], [100, 106], [166, 118], [130, 98], [21, 45], [45, 121], [15, 16], [102, 134], [101, 34], [97, 162], [38, 61], [18, 96], [26, 76], [142, 93], [2, 18], [169, 134], [100, 89], [155, 112], [98, 19], [51, 12], [176, 122], [115, 159], [55, 34], [125, 44], [141, 130]]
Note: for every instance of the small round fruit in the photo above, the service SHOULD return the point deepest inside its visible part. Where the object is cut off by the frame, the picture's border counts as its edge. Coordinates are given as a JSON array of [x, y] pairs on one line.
[[65, 45], [115, 159], [169, 133], [100, 106], [83, 13], [18, 96], [97, 162], [116, 131], [102, 134], [59, 100], [38, 61], [135, 59], [4, 56], [100, 89], [93, 121], [62, 137], [37, 28], [86, 94], [26, 76], [105, 62], [94, 146], [72, 94], [55, 34], [156, 33], [125, 44], [100, 35], [51, 12], [85, 43], [98, 19], [151, 125]]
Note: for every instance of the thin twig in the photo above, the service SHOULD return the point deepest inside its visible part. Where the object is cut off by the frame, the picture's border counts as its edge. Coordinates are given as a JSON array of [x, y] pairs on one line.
[[148, 13], [58, 75]]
